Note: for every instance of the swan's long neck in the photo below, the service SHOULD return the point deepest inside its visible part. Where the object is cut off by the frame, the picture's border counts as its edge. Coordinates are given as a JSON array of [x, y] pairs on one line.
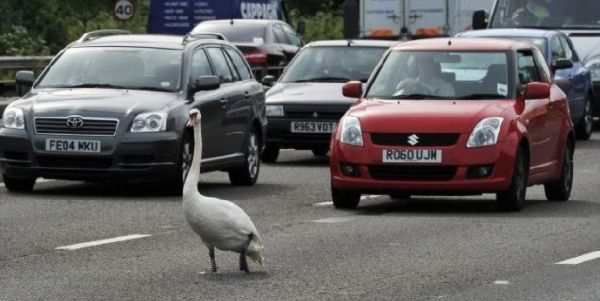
[[190, 187]]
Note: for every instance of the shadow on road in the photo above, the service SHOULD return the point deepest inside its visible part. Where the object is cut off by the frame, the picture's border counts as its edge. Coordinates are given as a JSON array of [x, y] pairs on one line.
[[467, 207]]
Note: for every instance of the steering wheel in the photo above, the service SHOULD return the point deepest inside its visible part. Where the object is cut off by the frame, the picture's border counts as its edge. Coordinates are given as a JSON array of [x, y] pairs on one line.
[[417, 88]]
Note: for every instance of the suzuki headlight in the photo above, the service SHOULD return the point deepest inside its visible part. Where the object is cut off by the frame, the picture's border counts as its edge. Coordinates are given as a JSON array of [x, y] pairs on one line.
[[149, 122], [13, 118], [275, 111], [485, 132], [594, 66], [351, 132]]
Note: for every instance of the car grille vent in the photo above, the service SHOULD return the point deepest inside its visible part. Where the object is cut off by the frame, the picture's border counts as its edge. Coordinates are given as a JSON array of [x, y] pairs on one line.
[[311, 115], [91, 126], [407, 139], [74, 162], [412, 173]]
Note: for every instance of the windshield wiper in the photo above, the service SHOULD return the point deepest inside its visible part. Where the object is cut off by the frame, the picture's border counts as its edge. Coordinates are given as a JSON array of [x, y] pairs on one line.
[[323, 79], [417, 96], [89, 85], [482, 96], [151, 89]]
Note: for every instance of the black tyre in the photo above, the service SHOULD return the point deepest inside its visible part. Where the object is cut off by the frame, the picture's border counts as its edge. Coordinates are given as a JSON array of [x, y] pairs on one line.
[[270, 154], [585, 126], [320, 152], [344, 199], [18, 184], [514, 198], [400, 196], [247, 174], [560, 190], [175, 184]]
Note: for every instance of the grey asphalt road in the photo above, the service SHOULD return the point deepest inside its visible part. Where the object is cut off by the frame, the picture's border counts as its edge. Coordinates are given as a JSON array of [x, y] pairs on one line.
[[426, 248]]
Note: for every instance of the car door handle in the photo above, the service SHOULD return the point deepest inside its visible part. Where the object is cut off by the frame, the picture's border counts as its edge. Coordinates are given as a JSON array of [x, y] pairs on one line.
[[246, 95], [224, 103]]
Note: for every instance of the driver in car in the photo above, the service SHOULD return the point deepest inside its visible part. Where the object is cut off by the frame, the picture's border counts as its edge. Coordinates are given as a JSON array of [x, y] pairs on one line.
[[429, 79], [532, 14]]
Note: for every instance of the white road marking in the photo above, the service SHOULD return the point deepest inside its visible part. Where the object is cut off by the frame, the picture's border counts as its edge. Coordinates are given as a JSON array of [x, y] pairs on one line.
[[323, 204], [334, 220], [38, 181], [581, 259], [102, 242], [369, 196], [502, 282]]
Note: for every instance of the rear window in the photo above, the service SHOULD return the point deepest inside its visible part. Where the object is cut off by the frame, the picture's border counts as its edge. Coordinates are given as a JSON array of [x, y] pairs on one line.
[[238, 32]]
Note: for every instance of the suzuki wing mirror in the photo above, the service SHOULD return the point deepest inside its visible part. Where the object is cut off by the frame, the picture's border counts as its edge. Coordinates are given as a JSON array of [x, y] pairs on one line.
[[24, 81], [352, 89], [479, 20], [537, 90]]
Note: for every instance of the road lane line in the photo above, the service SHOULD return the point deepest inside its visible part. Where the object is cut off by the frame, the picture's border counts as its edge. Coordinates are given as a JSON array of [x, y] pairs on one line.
[[581, 259], [369, 196], [501, 282], [334, 220], [323, 204], [38, 181], [102, 242]]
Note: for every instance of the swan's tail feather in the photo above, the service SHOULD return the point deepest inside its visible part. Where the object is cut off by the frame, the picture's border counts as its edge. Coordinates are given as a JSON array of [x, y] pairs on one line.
[[254, 249]]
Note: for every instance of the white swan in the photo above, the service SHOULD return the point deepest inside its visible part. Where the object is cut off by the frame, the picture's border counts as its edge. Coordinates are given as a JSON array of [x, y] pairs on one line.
[[219, 223]]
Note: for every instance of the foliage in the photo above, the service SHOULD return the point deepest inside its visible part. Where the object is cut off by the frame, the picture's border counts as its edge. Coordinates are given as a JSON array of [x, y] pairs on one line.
[[18, 41], [320, 26]]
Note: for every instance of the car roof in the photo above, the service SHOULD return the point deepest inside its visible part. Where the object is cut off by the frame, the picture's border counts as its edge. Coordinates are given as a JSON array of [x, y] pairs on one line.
[[350, 43], [142, 40], [462, 44], [509, 32], [240, 21]]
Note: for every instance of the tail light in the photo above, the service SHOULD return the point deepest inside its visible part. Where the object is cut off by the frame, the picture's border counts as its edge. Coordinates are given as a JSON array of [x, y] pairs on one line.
[[256, 57]]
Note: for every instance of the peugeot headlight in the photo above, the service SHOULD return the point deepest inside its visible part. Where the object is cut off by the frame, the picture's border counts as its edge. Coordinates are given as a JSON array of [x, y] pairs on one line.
[[594, 66], [149, 122], [485, 132], [13, 118], [275, 111], [351, 132]]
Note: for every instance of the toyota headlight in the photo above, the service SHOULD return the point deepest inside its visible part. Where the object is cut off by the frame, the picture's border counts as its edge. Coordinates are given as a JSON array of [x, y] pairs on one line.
[[149, 122], [275, 111], [594, 66], [351, 132], [485, 132], [13, 118]]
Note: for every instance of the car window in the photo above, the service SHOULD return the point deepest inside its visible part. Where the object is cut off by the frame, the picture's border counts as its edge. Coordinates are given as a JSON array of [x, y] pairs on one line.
[[234, 72], [528, 70], [200, 65], [544, 70], [240, 32], [292, 36], [279, 35], [568, 51], [557, 50], [220, 64], [239, 63]]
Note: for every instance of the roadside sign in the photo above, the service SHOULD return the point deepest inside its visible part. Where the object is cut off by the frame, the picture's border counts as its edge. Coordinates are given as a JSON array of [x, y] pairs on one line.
[[124, 9]]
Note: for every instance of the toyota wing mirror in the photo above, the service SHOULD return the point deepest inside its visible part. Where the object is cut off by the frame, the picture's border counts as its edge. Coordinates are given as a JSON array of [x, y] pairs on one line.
[[269, 80], [562, 64], [24, 81], [203, 83]]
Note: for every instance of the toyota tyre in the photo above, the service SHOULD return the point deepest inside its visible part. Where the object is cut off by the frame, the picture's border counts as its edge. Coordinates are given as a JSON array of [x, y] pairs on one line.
[[18, 184], [585, 126], [247, 174]]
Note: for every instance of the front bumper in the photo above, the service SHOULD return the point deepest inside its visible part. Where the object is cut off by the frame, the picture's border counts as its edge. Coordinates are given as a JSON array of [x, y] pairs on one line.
[[279, 134], [147, 156], [457, 160]]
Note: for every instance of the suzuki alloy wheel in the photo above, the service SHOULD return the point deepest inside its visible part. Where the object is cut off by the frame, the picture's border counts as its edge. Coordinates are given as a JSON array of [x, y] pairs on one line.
[[585, 126], [18, 184], [560, 190], [344, 199], [514, 198], [270, 154], [247, 174]]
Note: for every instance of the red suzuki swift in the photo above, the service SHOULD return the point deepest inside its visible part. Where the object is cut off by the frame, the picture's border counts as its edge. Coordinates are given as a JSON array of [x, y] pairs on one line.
[[455, 117]]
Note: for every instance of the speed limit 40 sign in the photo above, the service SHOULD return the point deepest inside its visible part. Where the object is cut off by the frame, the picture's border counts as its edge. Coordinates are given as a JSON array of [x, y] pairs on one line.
[[124, 9]]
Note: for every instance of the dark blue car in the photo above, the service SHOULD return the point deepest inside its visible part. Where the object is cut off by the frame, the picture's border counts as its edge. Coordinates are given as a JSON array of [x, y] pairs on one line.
[[572, 77]]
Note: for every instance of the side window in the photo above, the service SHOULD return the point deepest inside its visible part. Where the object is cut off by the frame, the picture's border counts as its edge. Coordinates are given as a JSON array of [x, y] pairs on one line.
[[528, 71], [220, 64], [279, 35], [556, 48], [568, 51], [292, 36], [239, 63], [236, 76], [200, 65]]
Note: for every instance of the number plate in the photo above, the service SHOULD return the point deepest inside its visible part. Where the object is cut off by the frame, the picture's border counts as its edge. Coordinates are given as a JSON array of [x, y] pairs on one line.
[[71, 145], [312, 127], [412, 156]]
